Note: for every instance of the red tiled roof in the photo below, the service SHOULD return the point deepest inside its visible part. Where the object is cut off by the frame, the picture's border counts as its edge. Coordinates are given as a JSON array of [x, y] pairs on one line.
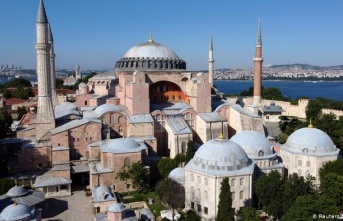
[[13, 101]]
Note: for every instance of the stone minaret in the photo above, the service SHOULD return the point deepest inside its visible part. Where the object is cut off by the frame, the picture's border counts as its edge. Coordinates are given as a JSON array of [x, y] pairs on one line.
[[258, 66], [52, 68], [78, 74], [45, 114], [210, 61]]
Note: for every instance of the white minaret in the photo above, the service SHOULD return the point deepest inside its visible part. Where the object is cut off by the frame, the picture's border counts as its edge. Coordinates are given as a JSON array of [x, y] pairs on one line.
[[52, 67], [45, 113], [210, 61], [78, 74]]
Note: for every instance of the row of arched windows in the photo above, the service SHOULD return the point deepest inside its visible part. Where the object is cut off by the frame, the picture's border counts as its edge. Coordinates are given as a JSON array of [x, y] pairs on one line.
[[308, 163]]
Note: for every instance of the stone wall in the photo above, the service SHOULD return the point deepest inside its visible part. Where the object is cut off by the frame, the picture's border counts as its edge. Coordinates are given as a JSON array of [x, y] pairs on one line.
[[338, 113]]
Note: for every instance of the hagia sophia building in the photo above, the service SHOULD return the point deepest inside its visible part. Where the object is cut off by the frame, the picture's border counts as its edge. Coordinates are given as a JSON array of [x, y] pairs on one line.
[[147, 107]]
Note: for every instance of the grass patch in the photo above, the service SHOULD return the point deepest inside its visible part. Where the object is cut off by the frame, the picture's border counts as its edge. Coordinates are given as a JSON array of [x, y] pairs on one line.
[[155, 208]]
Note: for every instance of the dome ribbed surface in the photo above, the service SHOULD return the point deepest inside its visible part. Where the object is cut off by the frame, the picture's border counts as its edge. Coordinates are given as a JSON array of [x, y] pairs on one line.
[[16, 191], [15, 212]]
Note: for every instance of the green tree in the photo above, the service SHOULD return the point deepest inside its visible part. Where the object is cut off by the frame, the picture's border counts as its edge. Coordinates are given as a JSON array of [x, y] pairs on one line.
[[305, 207], [295, 186], [59, 83], [171, 193], [166, 165], [331, 167], [18, 82], [123, 175], [179, 159], [273, 93], [5, 124], [5, 185], [332, 186], [190, 151], [282, 138], [225, 211], [21, 111], [138, 175], [7, 94], [249, 214], [269, 190]]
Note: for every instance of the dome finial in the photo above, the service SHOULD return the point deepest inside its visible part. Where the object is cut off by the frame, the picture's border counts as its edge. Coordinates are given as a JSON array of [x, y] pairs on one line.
[[150, 39], [310, 125], [221, 136]]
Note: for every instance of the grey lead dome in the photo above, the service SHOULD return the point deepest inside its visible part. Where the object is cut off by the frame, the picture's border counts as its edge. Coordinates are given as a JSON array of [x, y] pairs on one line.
[[219, 156], [310, 140], [151, 50]]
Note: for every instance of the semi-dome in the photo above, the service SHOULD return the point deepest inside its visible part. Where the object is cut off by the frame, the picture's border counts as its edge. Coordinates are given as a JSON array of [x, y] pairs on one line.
[[116, 208], [16, 191], [150, 55], [122, 145], [220, 156], [104, 108], [16, 212], [82, 85], [253, 143], [178, 174], [310, 140]]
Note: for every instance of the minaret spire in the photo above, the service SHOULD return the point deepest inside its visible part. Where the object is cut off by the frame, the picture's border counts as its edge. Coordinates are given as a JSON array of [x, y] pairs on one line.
[[258, 66], [210, 61], [41, 16], [45, 114], [52, 67], [78, 74], [259, 37]]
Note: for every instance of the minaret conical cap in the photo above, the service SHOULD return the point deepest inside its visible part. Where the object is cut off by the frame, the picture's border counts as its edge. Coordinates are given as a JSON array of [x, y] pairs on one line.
[[211, 42], [50, 37], [41, 16], [259, 36]]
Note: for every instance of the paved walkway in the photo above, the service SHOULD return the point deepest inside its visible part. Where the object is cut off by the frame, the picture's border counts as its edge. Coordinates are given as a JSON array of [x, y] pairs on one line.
[[77, 207]]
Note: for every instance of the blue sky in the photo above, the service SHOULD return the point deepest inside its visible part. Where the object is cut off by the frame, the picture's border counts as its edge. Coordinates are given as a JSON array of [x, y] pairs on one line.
[[96, 33]]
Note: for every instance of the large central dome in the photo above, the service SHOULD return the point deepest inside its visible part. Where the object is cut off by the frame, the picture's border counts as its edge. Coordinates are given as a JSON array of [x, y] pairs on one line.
[[151, 50], [150, 55]]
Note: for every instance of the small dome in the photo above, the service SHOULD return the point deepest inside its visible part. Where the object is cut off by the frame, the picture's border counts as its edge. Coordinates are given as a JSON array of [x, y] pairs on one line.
[[178, 174], [151, 50], [253, 143], [310, 140], [116, 208], [16, 191], [103, 193], [220, 156], [83, 85], [15, 212], [100, 110]]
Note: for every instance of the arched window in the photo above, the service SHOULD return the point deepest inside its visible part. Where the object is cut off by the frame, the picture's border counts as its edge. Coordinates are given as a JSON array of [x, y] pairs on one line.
[[233, 195], [305, 150], [299, 163], [206, 181], [127, 162], [86, 103], [260, 153], [308, 163], [307, 173], [120, 120], [173, 97], [233, 182], [179, 97], [241, 195], [198, 179], [192, 177], [241, 181], [205, 195], [112, 119]]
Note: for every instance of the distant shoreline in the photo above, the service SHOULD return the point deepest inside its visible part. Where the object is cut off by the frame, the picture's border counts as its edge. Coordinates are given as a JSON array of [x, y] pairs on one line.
[[309, 81]]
